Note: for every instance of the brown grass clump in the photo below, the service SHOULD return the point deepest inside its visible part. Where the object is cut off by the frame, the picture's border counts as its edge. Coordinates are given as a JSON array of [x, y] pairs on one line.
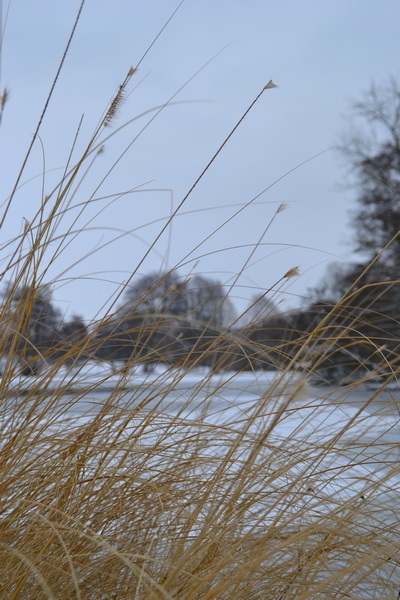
[[132, 500], [180, 487]]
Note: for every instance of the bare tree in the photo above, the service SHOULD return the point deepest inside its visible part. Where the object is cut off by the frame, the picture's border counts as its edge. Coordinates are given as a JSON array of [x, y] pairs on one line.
[[208, 303], [158, 294], [166, 318], [375, 164], [367, 290]]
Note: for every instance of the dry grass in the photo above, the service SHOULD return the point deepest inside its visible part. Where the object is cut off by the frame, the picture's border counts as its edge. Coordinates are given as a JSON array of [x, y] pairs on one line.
[[156, 493], [136, 501]]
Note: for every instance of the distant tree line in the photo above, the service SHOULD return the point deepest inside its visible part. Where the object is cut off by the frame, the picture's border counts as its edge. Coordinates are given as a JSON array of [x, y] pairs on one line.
[[163, 318]]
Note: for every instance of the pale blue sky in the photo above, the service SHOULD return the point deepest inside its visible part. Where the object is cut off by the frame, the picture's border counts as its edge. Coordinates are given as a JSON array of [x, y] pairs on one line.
[[323, 55]]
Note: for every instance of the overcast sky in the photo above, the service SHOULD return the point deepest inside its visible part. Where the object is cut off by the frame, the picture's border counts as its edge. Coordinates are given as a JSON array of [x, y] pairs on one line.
[[322, 55]]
